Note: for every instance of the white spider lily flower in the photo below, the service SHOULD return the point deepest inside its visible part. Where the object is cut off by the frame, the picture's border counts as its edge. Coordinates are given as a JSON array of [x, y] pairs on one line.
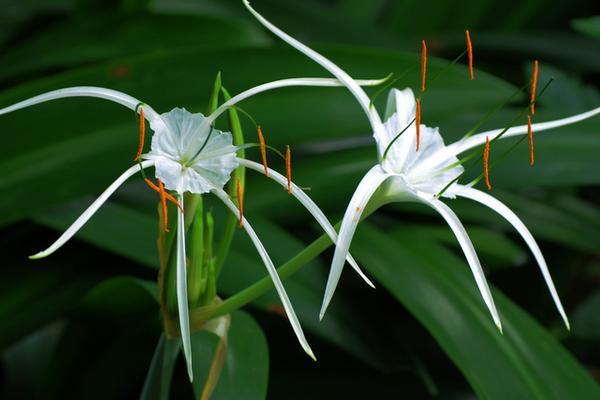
[[404, 173], [190, 155]]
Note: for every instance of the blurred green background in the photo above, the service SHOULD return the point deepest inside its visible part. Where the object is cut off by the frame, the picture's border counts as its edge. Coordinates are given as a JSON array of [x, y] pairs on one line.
[[84, 323]]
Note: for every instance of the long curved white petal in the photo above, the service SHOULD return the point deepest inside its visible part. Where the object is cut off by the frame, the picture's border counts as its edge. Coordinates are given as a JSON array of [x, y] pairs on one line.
[[336, 71], [468, 249], [479, 139], [182, 295], [313, 82], [91, 210], [310, 205], [287, 305], [364, 191], [86, 91], [514, 220]]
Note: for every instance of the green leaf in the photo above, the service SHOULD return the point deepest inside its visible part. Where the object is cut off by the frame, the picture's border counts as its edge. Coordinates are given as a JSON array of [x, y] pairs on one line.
[[121, 295], [158, 381], [246, 370], [586, 322], [106, 229], [84, 40], [588, 26], [38, 293], [501, 250], [436, 287], [567, 94], [559, 219]]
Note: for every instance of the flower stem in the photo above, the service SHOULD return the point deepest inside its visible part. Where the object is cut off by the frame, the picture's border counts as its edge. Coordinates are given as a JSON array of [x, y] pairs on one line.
[[293, 265], [245, 296], [238, 174]]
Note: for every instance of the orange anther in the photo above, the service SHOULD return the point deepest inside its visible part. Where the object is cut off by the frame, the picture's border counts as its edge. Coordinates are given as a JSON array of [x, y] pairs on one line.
[[288, 167], [534, 86], [240, 202], [418, 122], [167, 195], [423, 64], [263, 149], [470, 54], [163, 202], [486, 163], [530, 135], [142, 134]]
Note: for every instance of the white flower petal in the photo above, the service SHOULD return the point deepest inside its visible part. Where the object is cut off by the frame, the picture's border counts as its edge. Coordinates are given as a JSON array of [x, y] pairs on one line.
[[191, 156], [350, 83], [312, 82], [91, 210], [182, 296], [468, 250], [403, 104], [479, 139], [367, 186], [310, 205], [287, 305], [185, 135], [87, 91], [511, 217]]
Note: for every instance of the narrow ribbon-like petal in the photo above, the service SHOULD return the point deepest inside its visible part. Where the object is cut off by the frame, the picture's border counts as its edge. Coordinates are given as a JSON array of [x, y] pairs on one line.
[[91, 210], [310, 205], [287, 305], [87, 91], [479, 139], [336, 71], [311, 82], [367, 186], [468, 249], [182, 296], [514, 220]]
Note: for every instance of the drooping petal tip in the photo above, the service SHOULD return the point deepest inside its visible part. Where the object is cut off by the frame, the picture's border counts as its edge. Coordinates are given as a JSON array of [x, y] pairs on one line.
[[37, 256]]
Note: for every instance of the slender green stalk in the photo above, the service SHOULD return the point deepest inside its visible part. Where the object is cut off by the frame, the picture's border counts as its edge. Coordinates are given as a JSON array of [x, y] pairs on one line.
[[292, 266], [213, 102], [240, 173], [196, 273]]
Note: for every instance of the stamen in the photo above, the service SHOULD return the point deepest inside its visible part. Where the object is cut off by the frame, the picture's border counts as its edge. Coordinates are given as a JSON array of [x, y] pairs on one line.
[[530, 136], [423, 64], [163, 201], [470, 54], [534, 86], [167, 195], [142, 134], [418, 122], [288, 167], [240, 202], [486, 163], [263, 149]]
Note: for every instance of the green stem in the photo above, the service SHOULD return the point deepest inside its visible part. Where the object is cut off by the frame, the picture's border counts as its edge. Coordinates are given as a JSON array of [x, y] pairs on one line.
[[240, 173], [196, 272], [244, 297], [292, 266]]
